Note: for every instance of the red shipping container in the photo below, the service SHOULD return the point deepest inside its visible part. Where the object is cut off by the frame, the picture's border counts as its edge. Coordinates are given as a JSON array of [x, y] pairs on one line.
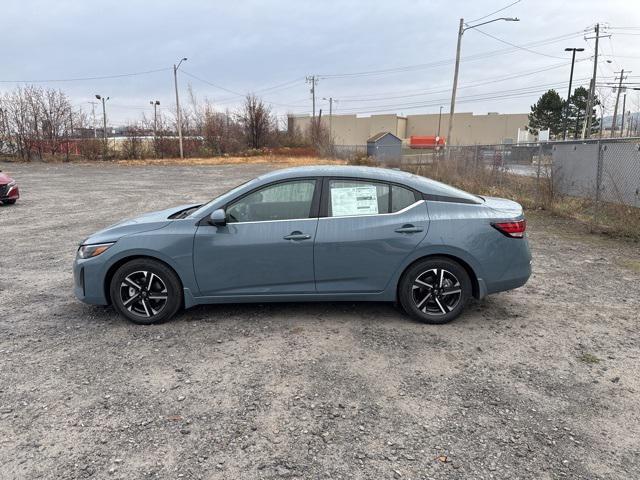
[[426, 141]]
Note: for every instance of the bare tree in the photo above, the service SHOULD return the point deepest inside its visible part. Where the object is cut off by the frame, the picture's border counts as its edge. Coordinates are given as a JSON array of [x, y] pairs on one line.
[[55, 113], [37, 122], [255, 119]]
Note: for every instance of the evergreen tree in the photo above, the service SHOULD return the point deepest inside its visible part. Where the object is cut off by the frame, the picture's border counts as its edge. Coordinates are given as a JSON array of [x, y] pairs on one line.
[[576, 116], [547, 113]]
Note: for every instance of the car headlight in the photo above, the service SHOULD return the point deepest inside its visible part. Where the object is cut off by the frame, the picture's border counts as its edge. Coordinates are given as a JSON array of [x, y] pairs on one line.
[[89, 251], [11, 184]]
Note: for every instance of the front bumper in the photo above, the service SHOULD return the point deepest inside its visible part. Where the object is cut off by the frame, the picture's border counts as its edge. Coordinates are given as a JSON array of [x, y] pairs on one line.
[[88, 281]]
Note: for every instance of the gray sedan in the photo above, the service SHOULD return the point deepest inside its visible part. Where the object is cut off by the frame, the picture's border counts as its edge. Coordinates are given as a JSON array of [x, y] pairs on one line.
[[311, 234]]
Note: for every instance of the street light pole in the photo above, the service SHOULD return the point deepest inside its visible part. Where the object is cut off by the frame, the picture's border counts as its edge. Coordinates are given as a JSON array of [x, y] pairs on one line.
[[461, 30], [179, 116], [439, 121], [104, 124], [155, 104], [566, 109]]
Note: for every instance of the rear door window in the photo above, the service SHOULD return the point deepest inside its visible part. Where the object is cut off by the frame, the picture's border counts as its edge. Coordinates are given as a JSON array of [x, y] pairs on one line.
[[356, 198]]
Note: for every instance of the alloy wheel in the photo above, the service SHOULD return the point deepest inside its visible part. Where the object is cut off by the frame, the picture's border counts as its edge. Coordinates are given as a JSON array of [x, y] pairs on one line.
[[436, 291], [143, 293]]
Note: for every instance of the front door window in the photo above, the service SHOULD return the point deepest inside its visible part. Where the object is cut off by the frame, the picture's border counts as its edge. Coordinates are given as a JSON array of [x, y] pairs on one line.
[[281, 201]]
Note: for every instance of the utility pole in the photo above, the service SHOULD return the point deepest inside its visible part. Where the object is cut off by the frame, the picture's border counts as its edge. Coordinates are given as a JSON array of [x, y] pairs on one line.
[[566, 109], [461, 30], [624, 106], [615, 108], [178, 114], [331, 100], [104, 124], [452, 108], [313, 80], [586, 126], [439, 122], [155, 104], [315, 127], [93, 116]]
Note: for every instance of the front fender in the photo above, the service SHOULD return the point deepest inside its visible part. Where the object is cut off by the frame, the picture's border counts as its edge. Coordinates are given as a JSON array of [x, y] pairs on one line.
[[172, 245]]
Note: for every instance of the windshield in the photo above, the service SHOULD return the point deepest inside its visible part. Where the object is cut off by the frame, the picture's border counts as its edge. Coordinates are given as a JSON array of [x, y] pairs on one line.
[[227, 194]]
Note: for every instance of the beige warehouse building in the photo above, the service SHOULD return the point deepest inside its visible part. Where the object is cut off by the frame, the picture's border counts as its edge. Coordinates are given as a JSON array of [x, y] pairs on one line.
[[469, 129]]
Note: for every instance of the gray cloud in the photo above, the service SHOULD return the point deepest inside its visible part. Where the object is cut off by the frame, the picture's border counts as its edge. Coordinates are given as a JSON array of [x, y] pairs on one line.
[[248, 45]]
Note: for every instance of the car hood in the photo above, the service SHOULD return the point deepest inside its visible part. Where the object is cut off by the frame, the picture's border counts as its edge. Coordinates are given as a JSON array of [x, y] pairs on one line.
[[4, 179], [503, 208], [143, 223]]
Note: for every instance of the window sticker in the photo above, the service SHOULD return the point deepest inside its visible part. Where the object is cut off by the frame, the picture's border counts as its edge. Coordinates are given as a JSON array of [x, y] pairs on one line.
[[362, 200]]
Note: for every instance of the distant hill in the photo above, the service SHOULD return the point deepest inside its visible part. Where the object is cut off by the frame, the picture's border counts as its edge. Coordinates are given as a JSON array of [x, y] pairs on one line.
[[607, 121]]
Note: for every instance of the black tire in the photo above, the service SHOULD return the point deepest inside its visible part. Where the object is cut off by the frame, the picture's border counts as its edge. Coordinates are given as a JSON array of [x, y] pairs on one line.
[[137, 290], [9, 202], [445, 300]]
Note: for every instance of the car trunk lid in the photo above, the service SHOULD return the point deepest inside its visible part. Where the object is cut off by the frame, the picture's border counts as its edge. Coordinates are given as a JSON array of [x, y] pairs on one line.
[[504, 208]]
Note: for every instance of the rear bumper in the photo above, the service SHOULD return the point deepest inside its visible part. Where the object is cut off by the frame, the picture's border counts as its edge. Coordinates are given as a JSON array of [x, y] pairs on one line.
[[516, 267], [12, 193], [515, 279]]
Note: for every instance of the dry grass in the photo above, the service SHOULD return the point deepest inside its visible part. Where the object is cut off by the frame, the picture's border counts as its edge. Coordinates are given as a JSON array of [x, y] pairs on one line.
[[630, 264], [285, 161]]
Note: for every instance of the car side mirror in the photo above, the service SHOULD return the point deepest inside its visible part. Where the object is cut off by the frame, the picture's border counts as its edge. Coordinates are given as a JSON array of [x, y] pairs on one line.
[[218, 218]]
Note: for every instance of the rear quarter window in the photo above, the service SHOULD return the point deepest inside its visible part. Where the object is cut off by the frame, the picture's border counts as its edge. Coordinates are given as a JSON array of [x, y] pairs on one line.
[[401, 198]]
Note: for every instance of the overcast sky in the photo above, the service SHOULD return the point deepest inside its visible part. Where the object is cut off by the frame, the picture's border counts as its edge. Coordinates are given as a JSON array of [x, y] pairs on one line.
[[247, 45]]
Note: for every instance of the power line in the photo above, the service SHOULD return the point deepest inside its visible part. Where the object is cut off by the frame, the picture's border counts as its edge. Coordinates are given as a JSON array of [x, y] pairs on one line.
[[463, 100], [288, 84], [519, 47], [210, 83], [81, 79], [272, 89], [486, 81], [522, 91], [493, 13], [480, 56]]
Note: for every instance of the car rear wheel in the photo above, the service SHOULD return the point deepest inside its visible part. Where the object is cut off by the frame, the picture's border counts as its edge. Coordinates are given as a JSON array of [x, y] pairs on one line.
[[434, 290], [146, 291]]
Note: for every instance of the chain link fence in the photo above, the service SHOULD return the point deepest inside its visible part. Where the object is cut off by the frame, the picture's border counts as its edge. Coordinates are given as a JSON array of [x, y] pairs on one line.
[[596, 181]]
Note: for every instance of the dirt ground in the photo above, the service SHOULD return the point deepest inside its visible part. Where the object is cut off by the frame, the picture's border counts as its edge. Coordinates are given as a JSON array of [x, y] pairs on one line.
[[541, 382]]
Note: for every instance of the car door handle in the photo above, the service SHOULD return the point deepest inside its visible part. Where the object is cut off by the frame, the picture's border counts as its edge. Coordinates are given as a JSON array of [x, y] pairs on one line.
[[297, 236], [408, 229]]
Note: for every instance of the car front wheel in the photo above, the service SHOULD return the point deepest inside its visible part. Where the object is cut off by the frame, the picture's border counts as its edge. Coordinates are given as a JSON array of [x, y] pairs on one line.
[[434, 290], [146, 291]]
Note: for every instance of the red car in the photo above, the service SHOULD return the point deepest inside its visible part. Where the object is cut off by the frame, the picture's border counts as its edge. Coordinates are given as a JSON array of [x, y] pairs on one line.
[[9, 191]]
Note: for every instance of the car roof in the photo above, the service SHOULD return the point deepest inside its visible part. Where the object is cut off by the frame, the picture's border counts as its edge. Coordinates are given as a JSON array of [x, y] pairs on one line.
[[417, 182], [372, 173]]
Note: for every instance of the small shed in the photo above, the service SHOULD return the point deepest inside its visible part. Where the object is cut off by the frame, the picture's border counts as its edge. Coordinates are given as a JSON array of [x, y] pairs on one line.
[[384, 147]]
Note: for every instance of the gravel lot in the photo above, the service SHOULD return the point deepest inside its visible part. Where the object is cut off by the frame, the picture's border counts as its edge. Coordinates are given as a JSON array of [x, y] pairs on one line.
[[542, 382]]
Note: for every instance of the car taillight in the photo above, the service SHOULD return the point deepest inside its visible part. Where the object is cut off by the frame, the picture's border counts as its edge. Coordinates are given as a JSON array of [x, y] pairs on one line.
[[511, 229]]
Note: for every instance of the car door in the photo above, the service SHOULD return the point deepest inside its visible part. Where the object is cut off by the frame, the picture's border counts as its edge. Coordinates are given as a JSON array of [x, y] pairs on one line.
[[266, 247], [366, 230]]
